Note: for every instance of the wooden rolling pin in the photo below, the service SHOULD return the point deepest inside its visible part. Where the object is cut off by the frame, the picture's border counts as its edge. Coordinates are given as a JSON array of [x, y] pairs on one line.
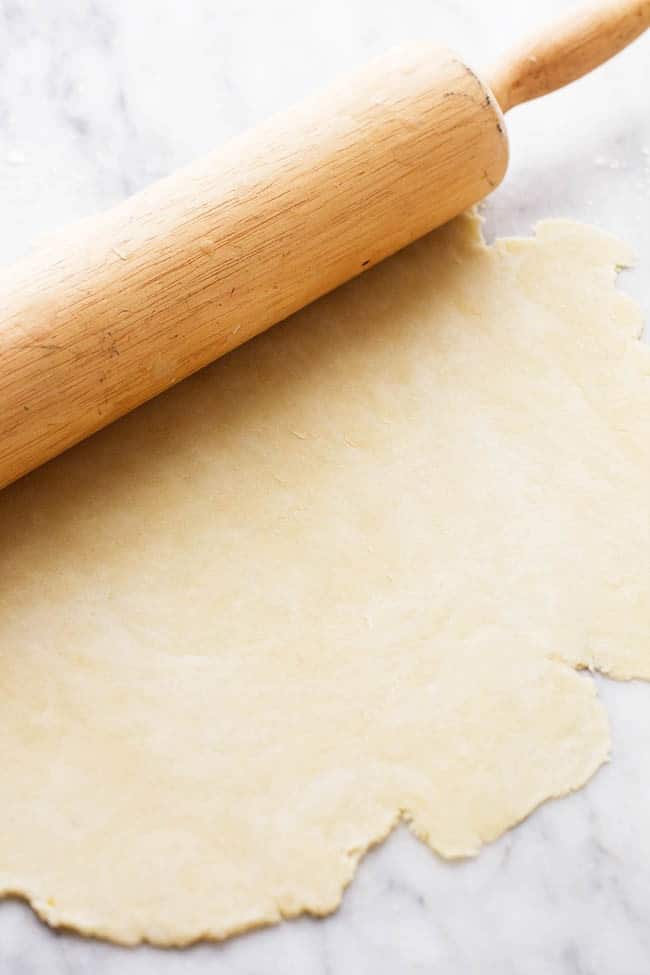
[[131, 301]]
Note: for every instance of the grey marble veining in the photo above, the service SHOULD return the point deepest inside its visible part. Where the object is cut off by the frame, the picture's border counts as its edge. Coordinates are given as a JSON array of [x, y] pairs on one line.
[[99, 97]]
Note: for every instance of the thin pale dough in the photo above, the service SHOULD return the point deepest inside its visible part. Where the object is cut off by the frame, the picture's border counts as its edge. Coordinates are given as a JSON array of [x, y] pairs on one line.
[[344, 576]]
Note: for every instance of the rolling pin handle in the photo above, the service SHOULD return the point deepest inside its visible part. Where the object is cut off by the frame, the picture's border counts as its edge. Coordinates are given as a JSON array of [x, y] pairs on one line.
[[567, 50]]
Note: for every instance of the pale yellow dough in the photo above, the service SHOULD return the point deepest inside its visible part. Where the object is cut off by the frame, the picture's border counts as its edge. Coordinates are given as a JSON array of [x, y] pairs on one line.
[[344, 577]]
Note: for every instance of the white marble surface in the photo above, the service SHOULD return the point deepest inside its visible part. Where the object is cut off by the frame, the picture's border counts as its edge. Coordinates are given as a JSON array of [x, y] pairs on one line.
[[98, 97]]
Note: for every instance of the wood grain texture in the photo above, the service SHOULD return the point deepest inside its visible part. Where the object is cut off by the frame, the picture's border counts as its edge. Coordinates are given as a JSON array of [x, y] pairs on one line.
[[568, 50], [130, 302]]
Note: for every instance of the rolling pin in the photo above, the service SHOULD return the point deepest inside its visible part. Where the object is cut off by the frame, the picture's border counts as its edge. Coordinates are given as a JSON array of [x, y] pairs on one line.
[[131, 301]]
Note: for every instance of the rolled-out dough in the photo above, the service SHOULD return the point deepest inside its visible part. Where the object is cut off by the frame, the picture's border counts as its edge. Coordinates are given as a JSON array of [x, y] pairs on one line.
[[345, 576]]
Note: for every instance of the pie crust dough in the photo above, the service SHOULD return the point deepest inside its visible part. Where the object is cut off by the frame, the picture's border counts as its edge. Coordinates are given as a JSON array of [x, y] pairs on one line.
[[344, 577]]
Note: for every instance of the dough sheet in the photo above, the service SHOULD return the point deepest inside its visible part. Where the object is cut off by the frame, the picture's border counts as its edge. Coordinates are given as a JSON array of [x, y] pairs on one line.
[[345, 577]]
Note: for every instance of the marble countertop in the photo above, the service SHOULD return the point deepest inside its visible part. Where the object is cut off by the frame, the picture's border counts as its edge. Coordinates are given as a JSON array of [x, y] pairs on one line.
[[99, 97]]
